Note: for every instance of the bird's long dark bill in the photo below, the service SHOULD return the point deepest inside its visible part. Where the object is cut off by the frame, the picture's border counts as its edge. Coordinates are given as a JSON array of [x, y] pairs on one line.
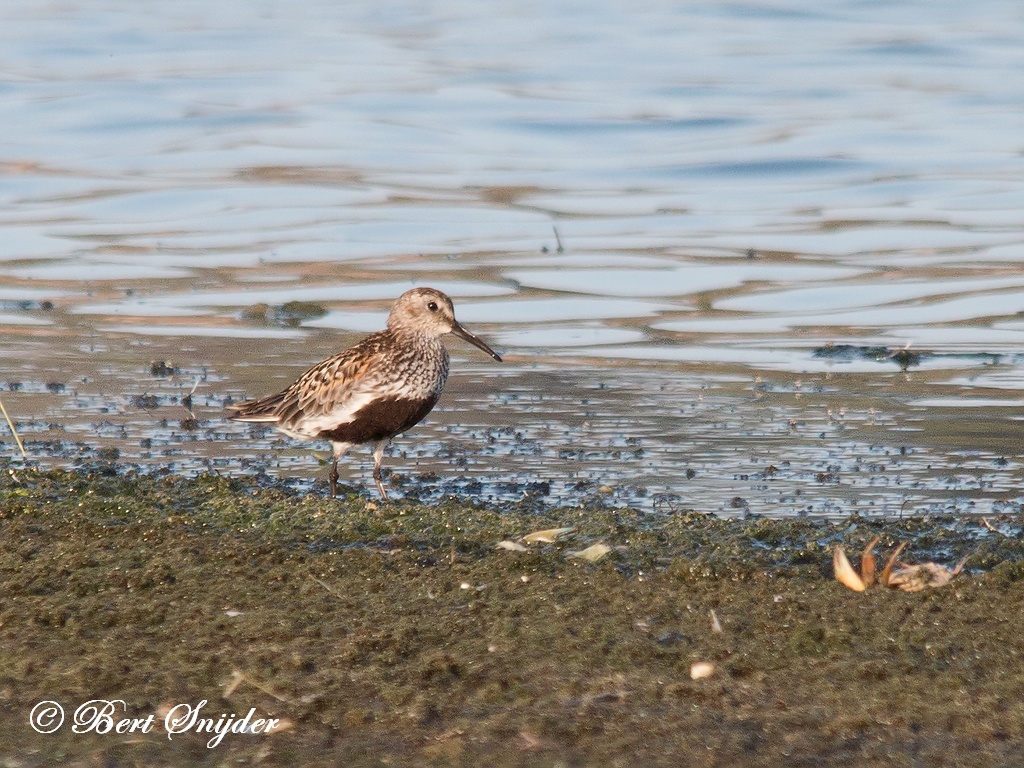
[[462, 333]]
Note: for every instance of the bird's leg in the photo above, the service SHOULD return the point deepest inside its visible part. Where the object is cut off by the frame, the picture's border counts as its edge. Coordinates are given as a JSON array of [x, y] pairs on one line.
[[334, 477], [378, 455], [339, 451]]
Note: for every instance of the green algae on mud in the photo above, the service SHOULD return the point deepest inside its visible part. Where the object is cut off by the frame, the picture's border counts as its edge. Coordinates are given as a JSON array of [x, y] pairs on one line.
[[399, 634]]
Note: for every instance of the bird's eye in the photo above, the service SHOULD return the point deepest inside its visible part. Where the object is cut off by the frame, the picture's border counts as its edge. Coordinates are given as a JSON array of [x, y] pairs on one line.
[[432, 306]]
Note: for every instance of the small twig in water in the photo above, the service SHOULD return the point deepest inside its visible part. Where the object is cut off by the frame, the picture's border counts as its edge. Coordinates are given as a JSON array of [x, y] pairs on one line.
[[13, 431], [558, 240], [987, 524], [187, 399], [903, 506]]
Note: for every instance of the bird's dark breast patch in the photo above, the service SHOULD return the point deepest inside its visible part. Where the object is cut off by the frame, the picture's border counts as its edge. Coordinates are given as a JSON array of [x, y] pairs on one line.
[[380, 419]]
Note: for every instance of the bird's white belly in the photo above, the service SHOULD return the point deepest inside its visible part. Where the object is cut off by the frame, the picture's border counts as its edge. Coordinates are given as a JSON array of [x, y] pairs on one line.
[[311, 425]]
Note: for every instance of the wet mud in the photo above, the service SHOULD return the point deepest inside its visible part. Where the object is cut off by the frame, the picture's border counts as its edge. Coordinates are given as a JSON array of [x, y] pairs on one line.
[[405, 634]]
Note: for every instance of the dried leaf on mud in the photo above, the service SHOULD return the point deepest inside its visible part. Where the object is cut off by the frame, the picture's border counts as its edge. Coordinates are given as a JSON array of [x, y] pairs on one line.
[[592, 553], [547, 536], [908, 577]]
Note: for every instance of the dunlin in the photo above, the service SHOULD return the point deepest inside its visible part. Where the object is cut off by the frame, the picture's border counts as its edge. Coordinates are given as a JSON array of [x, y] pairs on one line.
[[381, 387]]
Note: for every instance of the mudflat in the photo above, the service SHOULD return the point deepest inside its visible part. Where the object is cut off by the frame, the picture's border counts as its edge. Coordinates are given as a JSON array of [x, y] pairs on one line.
[[398, 633]]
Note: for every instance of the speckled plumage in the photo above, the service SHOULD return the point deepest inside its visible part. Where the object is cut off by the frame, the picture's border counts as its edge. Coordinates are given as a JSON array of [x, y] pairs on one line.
[[379, 388]]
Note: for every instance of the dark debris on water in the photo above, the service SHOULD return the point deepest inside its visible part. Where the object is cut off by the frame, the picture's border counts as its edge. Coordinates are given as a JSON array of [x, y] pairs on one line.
[[288, 315], [904, 357]]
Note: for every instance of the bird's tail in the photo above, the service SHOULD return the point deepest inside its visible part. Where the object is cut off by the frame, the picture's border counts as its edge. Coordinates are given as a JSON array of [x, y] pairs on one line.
[[265, 410]]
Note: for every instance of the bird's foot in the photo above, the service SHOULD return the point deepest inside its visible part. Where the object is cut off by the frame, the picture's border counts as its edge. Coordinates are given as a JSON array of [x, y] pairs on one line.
[[380, 484], [334, 479]]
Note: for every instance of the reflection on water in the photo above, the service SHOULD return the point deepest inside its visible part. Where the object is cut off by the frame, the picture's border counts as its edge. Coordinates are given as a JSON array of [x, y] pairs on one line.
[[661, 215]]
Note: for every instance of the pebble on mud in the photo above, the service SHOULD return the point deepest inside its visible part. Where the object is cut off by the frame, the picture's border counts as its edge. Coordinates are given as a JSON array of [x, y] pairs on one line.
[[511, 546], [701, 669], [592, 554]]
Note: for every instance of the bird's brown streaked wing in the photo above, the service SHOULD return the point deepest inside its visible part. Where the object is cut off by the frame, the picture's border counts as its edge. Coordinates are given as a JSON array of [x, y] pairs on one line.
[[327, 386], [320, 390]]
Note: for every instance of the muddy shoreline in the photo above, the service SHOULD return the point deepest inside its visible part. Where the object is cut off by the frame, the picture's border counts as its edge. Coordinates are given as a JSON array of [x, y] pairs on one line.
[[401, 634]]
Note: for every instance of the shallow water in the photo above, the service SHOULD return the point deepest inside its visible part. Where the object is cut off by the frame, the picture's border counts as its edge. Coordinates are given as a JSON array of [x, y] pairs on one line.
[[748, 257]]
